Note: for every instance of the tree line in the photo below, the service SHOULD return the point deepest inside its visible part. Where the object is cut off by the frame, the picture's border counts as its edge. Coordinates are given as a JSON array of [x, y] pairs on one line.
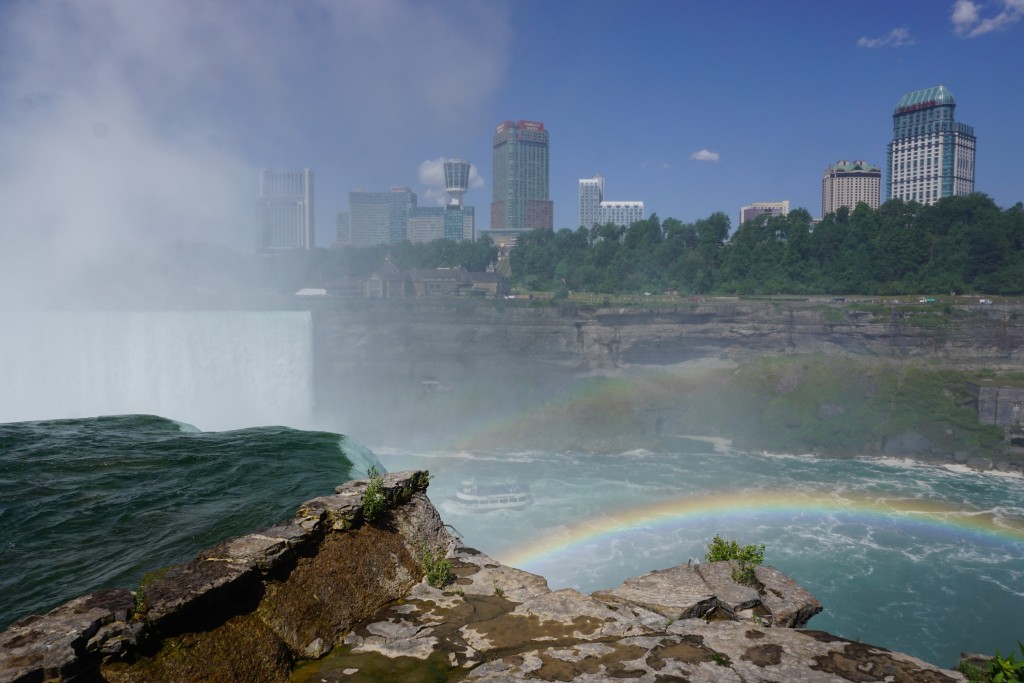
[[959, 244]]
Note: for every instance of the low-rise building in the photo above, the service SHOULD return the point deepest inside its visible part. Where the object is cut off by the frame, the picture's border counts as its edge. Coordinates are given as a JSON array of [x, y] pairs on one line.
[[752, 211], [387, 282]]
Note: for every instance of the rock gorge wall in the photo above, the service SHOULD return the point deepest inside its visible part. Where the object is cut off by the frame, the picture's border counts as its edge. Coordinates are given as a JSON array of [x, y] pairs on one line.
[[329, 596], [377, 362], [582, 339]]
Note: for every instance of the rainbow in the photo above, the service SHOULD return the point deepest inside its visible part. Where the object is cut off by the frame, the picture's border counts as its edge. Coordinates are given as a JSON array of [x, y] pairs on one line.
[[598, 398], [717, 508]]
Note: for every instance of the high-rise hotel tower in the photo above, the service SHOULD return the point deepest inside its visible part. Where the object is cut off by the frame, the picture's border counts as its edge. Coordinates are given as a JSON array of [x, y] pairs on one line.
[[931, 156], [520, 177], [846, 184], [285, 210]]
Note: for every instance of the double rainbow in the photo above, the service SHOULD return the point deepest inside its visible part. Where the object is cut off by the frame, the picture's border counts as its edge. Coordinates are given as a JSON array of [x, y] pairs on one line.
[[719, 508]]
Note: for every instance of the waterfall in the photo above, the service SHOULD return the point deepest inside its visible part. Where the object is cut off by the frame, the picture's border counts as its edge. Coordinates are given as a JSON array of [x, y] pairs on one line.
[[213, 369]]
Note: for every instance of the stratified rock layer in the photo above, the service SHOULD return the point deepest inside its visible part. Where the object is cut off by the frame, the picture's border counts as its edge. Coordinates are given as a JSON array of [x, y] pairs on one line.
[[328, 596]]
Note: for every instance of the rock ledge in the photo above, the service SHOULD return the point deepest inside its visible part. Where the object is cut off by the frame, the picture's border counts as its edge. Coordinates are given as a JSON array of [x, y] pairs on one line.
[[328, 596]]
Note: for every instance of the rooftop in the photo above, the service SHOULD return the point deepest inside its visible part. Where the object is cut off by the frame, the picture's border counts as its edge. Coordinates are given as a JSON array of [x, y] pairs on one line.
[[858, 165], [932, 96]]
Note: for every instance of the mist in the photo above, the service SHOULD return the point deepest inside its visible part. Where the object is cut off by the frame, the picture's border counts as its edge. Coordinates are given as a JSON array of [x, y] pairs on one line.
[[127, 127], [131, 138]]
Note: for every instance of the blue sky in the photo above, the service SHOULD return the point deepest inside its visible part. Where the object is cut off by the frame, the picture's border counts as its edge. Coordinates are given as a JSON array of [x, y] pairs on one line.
[[125, 121]]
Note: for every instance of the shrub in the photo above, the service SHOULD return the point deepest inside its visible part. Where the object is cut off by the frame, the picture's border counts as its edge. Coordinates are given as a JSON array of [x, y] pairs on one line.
[[747, 557], [1008, 670], [997, 670], [437, 568], [141, 603], [375, 503]]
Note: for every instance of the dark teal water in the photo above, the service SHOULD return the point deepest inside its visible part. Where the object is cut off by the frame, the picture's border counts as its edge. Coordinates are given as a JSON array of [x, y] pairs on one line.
[[94, 503]]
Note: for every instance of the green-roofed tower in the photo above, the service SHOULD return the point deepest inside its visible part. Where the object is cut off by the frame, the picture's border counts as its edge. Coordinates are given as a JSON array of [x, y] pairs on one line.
[[931, 155]]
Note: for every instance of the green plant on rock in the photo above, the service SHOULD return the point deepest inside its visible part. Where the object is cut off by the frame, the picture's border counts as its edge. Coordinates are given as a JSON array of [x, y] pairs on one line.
[[437, 567], [747, 558], [1003, 670], [375, 503], [997, 670], [141, 605]]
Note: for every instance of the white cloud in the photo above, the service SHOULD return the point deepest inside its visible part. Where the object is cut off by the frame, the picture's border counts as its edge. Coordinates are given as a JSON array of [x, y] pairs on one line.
[[964, 15], [705, 155], [968, 22], [898, 37], [431, 175]]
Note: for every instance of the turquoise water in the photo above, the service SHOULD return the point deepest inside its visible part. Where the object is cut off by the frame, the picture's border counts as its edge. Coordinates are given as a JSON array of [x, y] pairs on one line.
[[94, 503], [912, 558], [919, 559]]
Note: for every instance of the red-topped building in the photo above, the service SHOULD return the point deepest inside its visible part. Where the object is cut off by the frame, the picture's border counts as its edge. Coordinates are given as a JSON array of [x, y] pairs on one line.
[[521, 198]]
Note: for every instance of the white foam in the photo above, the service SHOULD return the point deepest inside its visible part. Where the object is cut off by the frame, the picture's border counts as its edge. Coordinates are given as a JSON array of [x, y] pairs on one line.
[[787, 456], [721, 444], [901, 463], [989, 579]]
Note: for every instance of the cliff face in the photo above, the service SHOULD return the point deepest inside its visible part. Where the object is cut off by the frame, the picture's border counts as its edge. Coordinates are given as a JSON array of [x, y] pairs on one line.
[[330, 596], [435, 366], [580, 339]]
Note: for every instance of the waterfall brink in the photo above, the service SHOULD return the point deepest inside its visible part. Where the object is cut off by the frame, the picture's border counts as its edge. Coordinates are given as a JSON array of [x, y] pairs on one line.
[[216, 370]]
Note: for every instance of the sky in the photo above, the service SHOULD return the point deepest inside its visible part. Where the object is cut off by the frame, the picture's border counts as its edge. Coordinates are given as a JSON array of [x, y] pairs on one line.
[[146, 121]]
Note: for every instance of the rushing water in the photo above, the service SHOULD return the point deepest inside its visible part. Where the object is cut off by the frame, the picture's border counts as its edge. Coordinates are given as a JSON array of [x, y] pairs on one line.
[[919, 559], [94, 503]]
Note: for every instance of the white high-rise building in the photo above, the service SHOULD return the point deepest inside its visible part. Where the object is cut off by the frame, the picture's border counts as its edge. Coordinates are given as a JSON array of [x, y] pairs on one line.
[[595, 210], [285, 210], [931, 156], [846, 184], [591, 194]]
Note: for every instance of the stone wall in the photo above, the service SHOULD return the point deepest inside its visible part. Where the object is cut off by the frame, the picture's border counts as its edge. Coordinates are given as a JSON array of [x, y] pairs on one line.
[[997, 404]]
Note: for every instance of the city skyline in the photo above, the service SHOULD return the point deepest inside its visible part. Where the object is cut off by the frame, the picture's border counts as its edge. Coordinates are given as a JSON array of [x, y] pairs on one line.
[[696, 107]]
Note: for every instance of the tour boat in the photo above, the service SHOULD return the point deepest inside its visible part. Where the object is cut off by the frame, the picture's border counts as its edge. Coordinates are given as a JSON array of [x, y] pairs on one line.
[[493, 496]]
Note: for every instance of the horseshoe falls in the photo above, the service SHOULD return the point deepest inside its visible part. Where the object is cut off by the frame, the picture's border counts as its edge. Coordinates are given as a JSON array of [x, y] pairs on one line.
[[211, 369]]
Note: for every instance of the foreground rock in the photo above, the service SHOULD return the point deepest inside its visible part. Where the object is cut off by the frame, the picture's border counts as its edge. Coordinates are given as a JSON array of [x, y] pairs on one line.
[[651, 628], [329, 596]]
